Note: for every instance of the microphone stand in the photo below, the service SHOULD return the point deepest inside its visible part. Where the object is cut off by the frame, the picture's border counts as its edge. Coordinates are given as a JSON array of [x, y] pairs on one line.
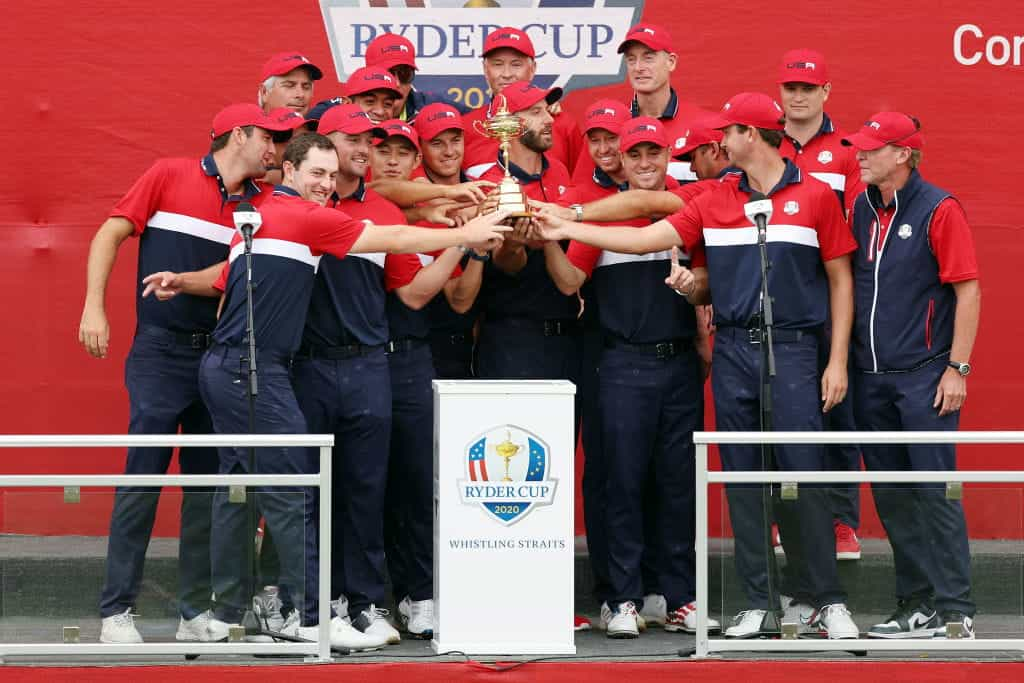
[[253, 623], [766, 325]]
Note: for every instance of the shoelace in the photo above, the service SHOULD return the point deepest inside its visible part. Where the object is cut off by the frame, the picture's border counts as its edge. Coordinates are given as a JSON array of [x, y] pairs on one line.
[[742, 615], [126, 617], [373, 613], [629, 608]]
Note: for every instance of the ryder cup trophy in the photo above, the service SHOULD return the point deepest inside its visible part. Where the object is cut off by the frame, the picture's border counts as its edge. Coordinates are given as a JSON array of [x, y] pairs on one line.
[[504, 127]]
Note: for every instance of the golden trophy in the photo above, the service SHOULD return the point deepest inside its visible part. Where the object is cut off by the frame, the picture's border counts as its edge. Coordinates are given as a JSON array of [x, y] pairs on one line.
[[504, 127], [507, 450]]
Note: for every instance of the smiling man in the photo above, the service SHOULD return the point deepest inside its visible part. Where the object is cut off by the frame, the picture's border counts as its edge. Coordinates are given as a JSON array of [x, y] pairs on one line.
[[397, 155], [375, 90]]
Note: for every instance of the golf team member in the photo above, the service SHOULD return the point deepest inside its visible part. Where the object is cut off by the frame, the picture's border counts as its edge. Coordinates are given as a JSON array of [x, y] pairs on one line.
[[811, 272], [918, 303], [181, 211], [297, 230]]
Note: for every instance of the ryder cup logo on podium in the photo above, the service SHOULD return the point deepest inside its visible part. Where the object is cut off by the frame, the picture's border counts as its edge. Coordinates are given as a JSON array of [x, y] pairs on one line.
[[507, 474], [575, 48]]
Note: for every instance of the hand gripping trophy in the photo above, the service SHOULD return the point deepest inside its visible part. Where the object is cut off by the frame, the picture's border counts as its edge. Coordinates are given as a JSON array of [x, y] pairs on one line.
[[504, 126]]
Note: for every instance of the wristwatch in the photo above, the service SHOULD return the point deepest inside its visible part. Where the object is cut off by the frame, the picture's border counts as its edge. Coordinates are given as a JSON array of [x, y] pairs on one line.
[[963, 368], [578, 208], [475, 256]]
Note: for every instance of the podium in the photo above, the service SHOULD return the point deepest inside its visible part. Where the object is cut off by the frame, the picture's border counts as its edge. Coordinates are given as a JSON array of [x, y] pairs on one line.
[[503, 517]]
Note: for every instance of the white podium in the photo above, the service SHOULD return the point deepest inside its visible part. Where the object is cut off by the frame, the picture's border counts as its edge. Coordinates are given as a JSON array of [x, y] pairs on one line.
[[503, 517]]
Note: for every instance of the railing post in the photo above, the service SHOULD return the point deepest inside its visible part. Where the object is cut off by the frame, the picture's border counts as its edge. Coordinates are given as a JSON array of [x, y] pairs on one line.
[[324, 553], [701, 491]]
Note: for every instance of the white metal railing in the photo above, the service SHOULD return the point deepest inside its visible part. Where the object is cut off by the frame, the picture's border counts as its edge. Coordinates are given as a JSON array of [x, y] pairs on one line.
[[321, 650], [706, 645]]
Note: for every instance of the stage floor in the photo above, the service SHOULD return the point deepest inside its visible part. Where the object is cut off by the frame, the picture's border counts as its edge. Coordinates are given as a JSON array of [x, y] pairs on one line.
[[48, 583]]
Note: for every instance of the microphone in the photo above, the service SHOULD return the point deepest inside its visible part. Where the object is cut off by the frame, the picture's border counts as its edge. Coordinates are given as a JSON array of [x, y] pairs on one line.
[[759, 211], [247, 221]]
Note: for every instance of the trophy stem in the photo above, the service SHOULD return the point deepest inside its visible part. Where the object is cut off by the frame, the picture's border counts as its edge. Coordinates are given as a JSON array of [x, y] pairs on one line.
[[504, 155]]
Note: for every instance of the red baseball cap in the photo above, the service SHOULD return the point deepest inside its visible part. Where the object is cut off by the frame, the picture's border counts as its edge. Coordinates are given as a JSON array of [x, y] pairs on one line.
[[389, 50], [349, 119], [523, 95], [289, 118], [245, 114], [436, 118], [285, 62], [611, 115], [887, 128], [748, 109], [653, 36], [696, 134], [803, 66], [371, 78], [399, 128], [642, 129], [508, 36]]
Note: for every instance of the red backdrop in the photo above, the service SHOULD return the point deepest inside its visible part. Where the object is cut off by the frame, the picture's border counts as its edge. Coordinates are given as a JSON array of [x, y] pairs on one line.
[[99, 90]]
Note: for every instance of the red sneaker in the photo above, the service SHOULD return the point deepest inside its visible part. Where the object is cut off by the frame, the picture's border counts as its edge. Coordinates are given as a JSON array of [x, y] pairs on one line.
[[580, 623], [847, 543], [776, 541]]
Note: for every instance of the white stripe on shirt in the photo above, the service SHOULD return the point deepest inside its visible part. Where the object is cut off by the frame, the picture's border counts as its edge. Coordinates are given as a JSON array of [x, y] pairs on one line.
[[478, 170], [731, 237], [376, 258], [271, 247], [837, 181], [190, 225], [614, 258], [680, 170]]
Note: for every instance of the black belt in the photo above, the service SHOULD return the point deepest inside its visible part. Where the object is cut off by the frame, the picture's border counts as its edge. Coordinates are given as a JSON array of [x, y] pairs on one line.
[[552, 327], [343, 352], [753, 334], [665, 349], [403, 345], [191, 340], [458, 339]]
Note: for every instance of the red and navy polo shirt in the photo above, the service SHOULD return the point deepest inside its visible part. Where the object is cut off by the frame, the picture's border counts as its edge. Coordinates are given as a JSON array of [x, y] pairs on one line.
[[182, 215], [806, 229], [530, 293], [286, 252], [348, 304], [825, 158], [634, 304]]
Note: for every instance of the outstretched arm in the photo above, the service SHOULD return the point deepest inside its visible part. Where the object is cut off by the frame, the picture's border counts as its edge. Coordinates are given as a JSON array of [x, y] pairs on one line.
[[626, 240]]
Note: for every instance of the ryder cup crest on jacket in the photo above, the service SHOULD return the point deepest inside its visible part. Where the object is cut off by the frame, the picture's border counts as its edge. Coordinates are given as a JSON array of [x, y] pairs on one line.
[[507, 473], [574, 48]]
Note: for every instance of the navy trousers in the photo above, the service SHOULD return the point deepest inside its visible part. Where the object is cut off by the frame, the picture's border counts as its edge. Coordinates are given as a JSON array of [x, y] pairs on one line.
[[594, 474], [842, 457], [650, 408], [452, 354], [409, 513], [351, 398], [223, 379], [805, 525], [928, 532], [162, 378]]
